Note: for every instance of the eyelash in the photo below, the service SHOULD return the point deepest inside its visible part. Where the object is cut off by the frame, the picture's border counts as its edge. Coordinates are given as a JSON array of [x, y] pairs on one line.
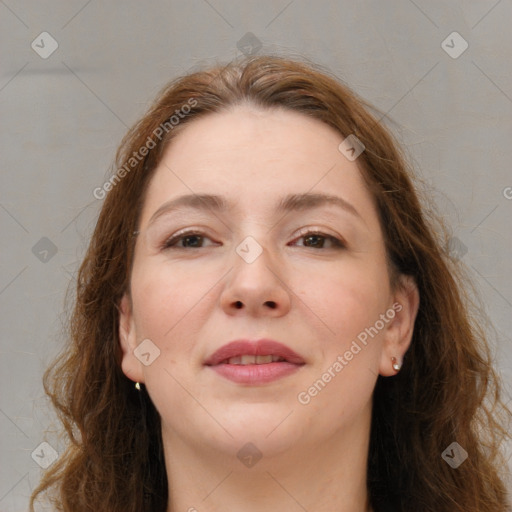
[[170, 243]]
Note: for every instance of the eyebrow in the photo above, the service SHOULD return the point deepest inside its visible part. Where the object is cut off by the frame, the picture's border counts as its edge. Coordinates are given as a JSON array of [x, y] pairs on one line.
[[291, 202]]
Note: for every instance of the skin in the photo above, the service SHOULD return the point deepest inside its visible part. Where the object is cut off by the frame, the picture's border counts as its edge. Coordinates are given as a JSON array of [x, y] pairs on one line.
[[185, 301]]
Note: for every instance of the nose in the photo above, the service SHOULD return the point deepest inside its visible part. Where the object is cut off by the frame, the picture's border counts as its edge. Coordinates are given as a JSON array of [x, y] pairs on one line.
[[256, 288]]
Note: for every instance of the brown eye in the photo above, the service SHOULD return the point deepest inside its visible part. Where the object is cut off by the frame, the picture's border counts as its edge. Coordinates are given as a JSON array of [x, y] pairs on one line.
[[316, 240], [185, 240]]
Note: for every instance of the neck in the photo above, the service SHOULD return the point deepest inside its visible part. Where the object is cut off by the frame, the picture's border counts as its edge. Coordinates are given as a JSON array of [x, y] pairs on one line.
[[323, 476]]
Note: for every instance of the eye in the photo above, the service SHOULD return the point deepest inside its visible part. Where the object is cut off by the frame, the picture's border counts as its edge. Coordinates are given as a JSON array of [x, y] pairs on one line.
[[316, 240], [191, 240]]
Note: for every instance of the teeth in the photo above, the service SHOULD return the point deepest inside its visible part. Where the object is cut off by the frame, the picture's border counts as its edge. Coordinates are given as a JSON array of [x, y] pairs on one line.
[[263, 359], [247, 359]]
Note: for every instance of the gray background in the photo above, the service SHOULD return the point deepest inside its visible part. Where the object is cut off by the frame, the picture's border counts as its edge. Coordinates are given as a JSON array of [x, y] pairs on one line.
[[63, 117]]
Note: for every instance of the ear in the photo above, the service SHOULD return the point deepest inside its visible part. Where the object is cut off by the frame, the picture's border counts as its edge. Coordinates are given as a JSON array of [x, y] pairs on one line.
[[128, 341], [398, 335]]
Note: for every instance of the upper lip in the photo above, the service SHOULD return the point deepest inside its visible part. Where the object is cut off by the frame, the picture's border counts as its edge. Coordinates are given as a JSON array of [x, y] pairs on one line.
[[261, 347]]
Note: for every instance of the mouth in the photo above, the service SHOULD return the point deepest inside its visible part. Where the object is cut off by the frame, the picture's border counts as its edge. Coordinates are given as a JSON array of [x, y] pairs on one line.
[[254, 362], [249, 359]]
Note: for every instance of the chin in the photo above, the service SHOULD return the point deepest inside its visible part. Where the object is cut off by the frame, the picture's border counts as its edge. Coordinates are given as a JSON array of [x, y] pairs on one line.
[[258, 444], [270, 427]]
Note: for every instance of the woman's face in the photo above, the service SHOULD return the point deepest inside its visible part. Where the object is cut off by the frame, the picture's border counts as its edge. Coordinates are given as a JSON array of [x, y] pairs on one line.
[[250, 271]]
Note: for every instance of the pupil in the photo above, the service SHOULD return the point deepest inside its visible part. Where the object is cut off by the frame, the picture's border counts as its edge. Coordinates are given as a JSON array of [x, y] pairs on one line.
[[196, 237], [317, 237]]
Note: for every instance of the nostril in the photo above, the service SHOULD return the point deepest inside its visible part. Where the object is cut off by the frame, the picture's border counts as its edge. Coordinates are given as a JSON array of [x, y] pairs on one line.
[[270, 303]]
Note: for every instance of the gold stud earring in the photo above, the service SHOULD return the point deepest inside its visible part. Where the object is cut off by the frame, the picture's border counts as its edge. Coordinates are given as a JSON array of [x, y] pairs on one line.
[[396, 365], [137, 386]]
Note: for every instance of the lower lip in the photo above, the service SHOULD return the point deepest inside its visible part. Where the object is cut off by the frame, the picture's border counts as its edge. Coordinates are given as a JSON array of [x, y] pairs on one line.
[[255, 373]]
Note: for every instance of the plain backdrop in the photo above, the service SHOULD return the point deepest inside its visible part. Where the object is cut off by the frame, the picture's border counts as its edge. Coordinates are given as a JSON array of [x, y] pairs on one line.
[[76, 74]]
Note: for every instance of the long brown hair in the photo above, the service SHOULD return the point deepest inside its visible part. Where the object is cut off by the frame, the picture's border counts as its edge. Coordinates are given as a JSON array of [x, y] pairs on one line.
[[446, 392]]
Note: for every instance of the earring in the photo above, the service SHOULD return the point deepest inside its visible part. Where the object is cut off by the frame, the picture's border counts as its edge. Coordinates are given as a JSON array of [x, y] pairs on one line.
[[396, 365], [137, 386]]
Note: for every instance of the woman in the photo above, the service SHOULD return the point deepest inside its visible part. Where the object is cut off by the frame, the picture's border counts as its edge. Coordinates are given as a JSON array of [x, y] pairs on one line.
[[265, 320]]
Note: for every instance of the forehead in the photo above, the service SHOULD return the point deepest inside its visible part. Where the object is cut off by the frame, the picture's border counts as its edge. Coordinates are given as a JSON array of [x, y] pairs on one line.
[[254, 157]]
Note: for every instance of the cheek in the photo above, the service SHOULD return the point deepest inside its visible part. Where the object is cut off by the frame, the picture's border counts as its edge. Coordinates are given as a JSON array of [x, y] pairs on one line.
[[168, 307], [164, 296], [163, 305], [340, 384], [344, 301]]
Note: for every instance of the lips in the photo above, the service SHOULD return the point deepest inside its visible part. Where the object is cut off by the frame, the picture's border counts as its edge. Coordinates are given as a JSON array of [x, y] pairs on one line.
[[253, 363], [258, 352]]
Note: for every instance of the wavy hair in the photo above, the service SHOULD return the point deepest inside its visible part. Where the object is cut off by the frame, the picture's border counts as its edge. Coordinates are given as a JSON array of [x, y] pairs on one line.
[[446, 391]]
